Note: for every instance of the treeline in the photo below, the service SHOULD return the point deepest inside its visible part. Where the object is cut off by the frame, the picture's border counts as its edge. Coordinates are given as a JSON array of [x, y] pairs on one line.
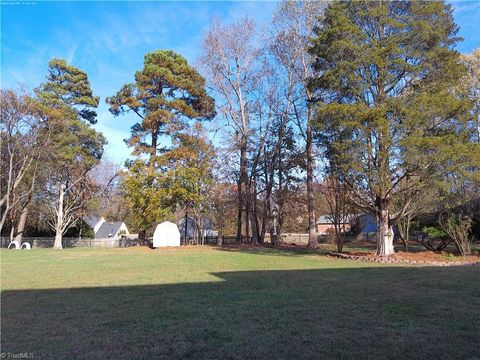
[[332, 109]]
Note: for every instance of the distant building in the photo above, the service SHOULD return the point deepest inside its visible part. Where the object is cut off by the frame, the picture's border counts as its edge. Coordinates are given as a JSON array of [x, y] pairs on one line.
[[368, 223], [325, 225], [106, 229], [94, 222], [191, 227]]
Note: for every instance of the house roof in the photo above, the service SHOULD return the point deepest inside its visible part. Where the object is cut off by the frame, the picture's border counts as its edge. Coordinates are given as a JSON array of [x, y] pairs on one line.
[[327, 219], [108, 230], [92, 220]]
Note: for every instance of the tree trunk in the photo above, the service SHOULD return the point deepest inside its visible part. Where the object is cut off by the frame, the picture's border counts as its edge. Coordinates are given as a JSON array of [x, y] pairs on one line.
[[242, 191], [264, 219], [312, 234], [247, 223], [239, 210], [339, 244], [384, 233], [279, 225], [21, 223], [142, 237], [407, 232], [255, 223], [220, 235], [12, 231], [338, 235], [404, 242], [59, 224], [185, 233], [274, 232]]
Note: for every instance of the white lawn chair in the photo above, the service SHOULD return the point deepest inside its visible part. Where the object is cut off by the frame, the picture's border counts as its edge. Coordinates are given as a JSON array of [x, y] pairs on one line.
[[26, 246], [16, 244]]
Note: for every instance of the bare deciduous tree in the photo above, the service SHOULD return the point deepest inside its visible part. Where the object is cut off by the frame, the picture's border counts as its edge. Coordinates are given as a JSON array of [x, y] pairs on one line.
[[230, 61], [21, 147], [294, 24], [335, 194]]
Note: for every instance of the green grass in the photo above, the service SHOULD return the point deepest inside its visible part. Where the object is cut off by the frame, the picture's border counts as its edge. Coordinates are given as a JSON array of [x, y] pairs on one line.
[[233, 303]]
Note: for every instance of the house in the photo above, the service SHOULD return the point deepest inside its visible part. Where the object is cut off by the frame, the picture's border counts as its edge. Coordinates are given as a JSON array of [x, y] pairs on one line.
[[192, 227], [111, 230], [324, 224], [368, 223], [94, 222], [106, 229]]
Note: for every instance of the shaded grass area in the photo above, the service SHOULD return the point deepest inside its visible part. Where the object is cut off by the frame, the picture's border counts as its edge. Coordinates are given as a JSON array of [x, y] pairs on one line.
[[233, 303]]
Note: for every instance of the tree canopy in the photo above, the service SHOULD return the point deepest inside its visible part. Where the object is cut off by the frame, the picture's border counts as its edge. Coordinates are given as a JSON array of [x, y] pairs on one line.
[[386, 111], [166, 94]]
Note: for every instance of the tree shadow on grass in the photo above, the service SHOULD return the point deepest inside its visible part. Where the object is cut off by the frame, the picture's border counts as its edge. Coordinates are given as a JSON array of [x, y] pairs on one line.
[[366, 313]]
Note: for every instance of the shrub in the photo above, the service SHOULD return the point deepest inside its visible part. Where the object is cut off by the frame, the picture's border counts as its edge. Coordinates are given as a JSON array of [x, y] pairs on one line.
[[458, 228], [436, 239], [434, 232]]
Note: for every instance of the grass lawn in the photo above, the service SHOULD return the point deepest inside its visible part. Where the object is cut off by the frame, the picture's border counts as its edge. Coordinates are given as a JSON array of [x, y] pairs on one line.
[[233, 303]]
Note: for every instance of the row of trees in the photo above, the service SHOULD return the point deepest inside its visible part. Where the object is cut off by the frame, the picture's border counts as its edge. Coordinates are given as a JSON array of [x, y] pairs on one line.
[[379, 87], [366, 105]]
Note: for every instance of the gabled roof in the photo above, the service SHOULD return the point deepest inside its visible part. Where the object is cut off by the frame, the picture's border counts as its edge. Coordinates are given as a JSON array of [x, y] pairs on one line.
[[108, 230], [327, 219], [92, 220]]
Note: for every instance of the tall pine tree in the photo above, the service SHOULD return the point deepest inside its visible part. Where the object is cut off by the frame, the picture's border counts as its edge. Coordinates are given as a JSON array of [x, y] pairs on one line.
[[68, 104], [166, 93]]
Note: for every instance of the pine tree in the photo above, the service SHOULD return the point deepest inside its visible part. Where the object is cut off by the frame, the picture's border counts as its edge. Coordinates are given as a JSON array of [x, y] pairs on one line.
[[167, 93], [67, 102]]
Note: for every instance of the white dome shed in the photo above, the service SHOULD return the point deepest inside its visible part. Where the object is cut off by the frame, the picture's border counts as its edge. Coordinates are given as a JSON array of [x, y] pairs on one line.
[[166, 234]]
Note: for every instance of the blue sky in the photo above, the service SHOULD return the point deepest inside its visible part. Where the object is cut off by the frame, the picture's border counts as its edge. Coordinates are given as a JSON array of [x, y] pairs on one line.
[[109, 39]]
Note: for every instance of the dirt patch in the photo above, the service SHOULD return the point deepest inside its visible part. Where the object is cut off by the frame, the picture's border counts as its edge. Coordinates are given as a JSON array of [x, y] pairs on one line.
[[427, 256], [419, 258]]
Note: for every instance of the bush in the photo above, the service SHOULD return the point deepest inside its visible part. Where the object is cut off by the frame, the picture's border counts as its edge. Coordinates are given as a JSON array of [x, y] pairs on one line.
[[458, 228], [434, 232], [436, 239]]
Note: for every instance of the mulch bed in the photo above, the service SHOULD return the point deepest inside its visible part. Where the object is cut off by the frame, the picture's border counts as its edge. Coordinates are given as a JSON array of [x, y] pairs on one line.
[[424, 258]]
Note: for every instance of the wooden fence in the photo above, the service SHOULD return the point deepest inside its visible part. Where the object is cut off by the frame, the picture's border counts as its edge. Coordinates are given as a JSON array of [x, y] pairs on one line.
[[286, 238]]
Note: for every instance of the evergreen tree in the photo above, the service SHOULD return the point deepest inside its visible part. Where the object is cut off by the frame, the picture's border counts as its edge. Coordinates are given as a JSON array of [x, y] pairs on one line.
[[67, 102], [167, 93], [386, 112]]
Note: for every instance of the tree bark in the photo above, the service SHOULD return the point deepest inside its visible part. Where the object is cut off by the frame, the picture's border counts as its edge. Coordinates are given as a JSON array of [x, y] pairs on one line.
[[243, 191], [239, 209], [185, 233], [21, 223], [220, 232], [253, 202], [312, 234], [407, 233], [59, 224], [142, 237], [384, 232]]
